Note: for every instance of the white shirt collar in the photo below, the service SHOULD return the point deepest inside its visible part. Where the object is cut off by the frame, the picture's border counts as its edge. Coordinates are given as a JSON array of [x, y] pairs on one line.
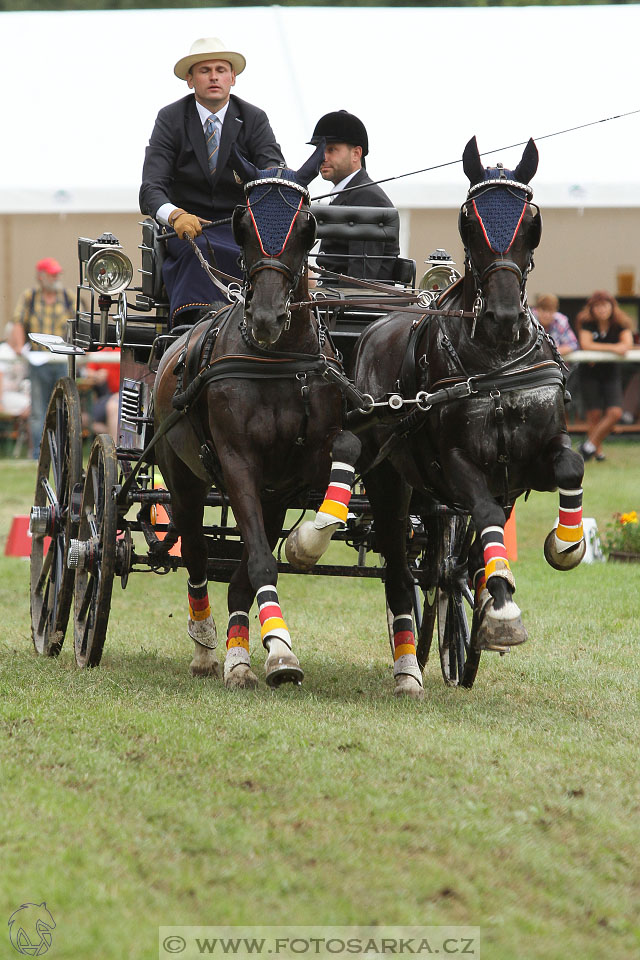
[[205, 114], [343, 183]]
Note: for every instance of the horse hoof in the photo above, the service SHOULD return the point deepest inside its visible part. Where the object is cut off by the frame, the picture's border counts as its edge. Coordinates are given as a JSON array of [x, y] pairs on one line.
[[305, 545], [568, 559], [240, 677], [283, 669], [205, 668], [407, 686], [500, 635]]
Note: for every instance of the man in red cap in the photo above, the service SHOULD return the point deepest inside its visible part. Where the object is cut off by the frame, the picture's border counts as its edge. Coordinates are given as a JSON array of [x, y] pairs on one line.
[[44, 308]]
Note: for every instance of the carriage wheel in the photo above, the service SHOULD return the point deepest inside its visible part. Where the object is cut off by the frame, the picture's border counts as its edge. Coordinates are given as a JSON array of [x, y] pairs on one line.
[[448, 603], [94, 553], [53, 520]]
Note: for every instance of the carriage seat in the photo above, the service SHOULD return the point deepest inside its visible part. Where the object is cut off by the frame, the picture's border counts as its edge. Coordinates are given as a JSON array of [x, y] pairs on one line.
[[154, 251], [354, 225]]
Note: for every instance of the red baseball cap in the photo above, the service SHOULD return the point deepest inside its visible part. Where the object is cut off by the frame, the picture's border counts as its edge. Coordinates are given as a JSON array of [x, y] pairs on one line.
[[49, 265]]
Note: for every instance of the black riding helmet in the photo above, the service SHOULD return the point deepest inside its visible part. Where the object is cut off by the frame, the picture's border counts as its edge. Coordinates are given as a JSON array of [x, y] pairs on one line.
[[340, 126]]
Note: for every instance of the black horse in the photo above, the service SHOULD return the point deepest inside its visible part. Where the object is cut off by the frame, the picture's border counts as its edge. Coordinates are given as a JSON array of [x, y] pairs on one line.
[[502, 430], [259, 421]]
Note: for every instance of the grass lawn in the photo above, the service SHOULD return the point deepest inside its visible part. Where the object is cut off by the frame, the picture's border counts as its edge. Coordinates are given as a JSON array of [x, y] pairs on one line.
[[134, 796]]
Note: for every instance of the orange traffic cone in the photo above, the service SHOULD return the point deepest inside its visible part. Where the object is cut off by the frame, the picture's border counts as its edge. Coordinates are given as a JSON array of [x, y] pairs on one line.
[[510, 537], [161, 516], [19, 540]]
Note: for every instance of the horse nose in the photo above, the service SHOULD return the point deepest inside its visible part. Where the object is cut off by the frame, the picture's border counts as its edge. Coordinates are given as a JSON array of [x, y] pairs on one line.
[[263, 329]]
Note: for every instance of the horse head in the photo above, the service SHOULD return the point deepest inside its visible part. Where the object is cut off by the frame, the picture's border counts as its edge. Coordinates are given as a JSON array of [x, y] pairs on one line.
[[500, 228], [275, 230]]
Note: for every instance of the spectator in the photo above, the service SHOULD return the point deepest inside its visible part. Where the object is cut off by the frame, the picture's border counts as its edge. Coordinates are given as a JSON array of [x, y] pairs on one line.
[[555, 323], [603, 327], [631, 400], [44, 308], [14, 384], [104, 375]]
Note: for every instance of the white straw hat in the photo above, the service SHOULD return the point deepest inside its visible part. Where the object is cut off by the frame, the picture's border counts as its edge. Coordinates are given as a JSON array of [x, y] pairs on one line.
[[208, 48]]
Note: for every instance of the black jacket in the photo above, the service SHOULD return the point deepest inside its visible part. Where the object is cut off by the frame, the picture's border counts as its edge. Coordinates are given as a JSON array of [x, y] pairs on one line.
[[175, 165], [343, 257]]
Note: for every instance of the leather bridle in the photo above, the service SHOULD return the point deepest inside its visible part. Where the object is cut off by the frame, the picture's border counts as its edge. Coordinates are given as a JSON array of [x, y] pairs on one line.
[[501, 262]]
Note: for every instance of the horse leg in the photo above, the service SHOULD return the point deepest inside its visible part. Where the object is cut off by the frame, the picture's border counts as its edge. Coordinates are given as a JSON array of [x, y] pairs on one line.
[[188, 495], [389, 497], [262, 570], [237, 672], [307, 543], [237, 665], [497, 614], [565, 546]]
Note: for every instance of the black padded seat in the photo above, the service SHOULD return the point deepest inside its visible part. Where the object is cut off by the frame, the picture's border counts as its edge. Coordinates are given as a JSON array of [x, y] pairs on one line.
[[346, 224]]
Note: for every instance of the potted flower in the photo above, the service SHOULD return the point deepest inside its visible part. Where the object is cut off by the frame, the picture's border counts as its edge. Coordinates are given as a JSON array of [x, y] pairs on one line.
[[622, 540]]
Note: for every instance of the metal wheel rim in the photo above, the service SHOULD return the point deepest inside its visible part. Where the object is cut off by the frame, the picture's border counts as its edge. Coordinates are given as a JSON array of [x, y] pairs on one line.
[[59, 469], [98, 517]]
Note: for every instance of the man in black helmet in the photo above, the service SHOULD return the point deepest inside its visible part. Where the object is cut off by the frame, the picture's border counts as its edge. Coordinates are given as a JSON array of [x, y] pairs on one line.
[[344, 165]]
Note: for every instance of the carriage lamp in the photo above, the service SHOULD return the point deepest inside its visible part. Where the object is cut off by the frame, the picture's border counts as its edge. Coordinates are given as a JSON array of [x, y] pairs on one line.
[[440, 273], [109, 271]]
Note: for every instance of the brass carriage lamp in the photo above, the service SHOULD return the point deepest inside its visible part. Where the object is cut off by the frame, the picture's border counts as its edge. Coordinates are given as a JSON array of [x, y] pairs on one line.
[[440, 272], [109, 272]]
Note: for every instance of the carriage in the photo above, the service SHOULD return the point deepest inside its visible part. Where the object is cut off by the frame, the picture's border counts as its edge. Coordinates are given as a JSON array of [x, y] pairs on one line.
[[93, 524]]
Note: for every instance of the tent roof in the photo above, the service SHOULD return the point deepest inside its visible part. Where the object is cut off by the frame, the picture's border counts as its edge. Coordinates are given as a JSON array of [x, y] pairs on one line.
[[88, 86]]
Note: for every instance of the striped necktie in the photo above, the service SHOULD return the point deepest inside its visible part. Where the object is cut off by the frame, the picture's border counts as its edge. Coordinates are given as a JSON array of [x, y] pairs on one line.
[[213, 142]]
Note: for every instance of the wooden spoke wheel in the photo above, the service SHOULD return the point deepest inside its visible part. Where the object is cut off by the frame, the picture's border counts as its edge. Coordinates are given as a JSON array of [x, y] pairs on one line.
[[448, 601], [53, 520], [93, 553]]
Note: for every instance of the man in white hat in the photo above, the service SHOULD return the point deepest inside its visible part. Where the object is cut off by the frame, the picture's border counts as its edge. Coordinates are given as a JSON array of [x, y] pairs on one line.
[[186, 178]]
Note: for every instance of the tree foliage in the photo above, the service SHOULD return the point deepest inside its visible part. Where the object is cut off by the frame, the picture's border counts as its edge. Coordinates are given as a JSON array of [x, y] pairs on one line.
[[47, 5]]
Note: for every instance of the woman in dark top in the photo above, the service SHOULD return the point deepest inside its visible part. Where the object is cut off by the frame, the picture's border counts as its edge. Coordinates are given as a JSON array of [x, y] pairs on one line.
[[602, 326]]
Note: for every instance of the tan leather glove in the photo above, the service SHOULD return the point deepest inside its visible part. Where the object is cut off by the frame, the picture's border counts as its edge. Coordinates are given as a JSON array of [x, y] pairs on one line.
[[185, 223]]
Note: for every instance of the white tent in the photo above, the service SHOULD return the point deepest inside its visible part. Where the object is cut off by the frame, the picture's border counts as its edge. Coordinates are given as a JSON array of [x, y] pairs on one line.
[[80, 92]]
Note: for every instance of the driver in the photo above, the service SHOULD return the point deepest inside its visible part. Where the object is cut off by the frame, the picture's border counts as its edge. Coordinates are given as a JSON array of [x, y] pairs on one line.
[[344, 165], [186, 178]]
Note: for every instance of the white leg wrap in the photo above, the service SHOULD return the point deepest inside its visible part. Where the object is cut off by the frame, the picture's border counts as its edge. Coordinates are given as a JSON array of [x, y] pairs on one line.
[[407, 664], [562, 545], [203, 632], [277, 646], [235, 656]]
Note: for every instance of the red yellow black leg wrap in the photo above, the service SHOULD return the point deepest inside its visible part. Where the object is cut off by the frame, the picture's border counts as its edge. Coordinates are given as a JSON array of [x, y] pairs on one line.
[[199, 608]]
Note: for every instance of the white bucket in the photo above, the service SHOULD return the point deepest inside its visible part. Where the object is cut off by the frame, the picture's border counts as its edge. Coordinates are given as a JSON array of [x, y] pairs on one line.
[[594, 552]]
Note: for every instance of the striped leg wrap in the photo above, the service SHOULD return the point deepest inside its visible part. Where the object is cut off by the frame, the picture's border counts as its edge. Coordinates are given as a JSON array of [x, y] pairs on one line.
[[404, 648], [479, 584], [238, 630], [271, 621], [199, 608], [403, 639], [335, 506], [237, 641], [496, 563], [569, 530]]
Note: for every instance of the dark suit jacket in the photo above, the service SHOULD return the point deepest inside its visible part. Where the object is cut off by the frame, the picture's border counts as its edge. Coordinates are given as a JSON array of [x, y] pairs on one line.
[[343, 257], [175, 165]]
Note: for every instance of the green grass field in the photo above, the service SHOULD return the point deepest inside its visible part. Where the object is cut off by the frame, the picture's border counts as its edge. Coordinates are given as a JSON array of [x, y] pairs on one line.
[[133, 796]]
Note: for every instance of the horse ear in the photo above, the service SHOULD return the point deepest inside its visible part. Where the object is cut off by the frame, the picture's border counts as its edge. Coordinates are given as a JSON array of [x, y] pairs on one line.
[[471, 162], [535, 230], [236, 217], [525, 171], [243, 169], [310, 169]]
